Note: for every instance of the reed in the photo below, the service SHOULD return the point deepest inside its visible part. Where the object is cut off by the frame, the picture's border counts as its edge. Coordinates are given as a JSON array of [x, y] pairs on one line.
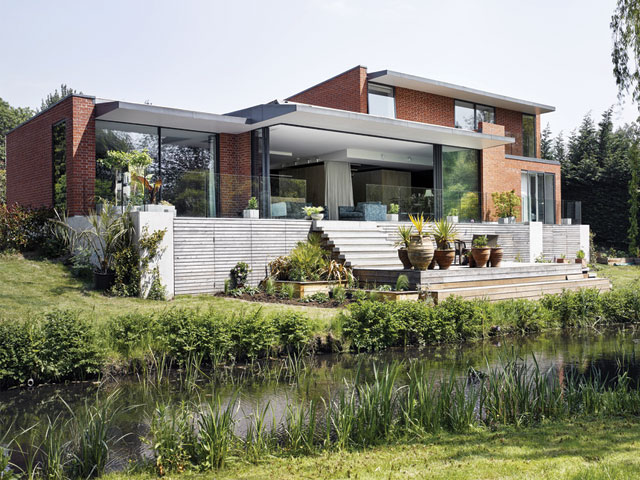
[[215, 432], [259, 438]]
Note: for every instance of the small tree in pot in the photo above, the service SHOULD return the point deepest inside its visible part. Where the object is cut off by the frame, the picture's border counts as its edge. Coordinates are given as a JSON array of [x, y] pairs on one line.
[[404, 231], [394, 211], [445, 233], [481, 251], [252, 209], [506, 204]]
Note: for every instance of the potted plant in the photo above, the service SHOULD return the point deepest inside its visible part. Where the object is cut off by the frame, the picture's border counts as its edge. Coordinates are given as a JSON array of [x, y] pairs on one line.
[[581, 258], [444, 233], [452, 217], [252, 209], [315, 213], [481, 251], [495, 259], [394, 210], [506, 204], [420, 247], [562, 259], [404, 231]]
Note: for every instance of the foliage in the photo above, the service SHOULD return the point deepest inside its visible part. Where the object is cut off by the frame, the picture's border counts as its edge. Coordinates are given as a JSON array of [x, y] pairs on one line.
[[404, 231], [506, 203], [394, 208], [253, 203], [580, 255], [402, 283], [470, 205], [453, 212], [269, 286], [55, 96], [634, 206], [240, 274], [480, 242], [339, 293], [444, 233], [25, 229], [293, 331], [123, 160], [419, 223], [108, 234], [152, 189], [308, 211]]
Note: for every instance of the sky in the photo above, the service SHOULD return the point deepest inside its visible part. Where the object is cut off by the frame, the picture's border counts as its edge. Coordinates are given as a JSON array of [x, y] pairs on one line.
[[220, 56]]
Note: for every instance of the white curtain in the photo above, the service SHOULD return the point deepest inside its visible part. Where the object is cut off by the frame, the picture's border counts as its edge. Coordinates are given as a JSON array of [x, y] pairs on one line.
[[338, 190]]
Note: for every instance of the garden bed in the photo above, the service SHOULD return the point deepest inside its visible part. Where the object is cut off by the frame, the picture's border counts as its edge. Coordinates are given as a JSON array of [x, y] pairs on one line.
[[262, 297], [394, 296], [305, 289]]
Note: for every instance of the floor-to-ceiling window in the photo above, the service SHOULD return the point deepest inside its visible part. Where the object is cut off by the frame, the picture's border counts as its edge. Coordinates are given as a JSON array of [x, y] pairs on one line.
[[59, 145], [185, 161], [528, 135], [538, 197], [461, 183]]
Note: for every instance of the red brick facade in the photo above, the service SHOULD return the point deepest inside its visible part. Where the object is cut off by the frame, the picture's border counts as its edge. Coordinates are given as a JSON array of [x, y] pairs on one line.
[[424, 107], [235, 173], [30, 157], [499, 174], [347, 91]]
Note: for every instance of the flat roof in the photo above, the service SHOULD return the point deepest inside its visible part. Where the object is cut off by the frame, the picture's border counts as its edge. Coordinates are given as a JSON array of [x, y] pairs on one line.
[[412, 82]]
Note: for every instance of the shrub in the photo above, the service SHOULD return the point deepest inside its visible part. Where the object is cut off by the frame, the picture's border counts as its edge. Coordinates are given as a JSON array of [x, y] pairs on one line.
[[370, 325], [576, 308], [25, 229], [269, 286], [69, 348], [521, 315], [292, 330], [18, 352], [339, 294], [130, 332], [402, 283], [252, 336], [468, 316], [240, 274]]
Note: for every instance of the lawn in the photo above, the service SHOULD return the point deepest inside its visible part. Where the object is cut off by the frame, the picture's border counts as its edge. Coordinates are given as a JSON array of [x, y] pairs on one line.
[[620, 276], [30, 287], [607, 448]]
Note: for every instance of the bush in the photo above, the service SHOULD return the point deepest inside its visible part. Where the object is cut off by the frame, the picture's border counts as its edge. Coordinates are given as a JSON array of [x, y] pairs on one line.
[[370, 325], [25, 229], [521, 315], [130, 332], [292, 330], [69, 349], [576, 308], [18, 352], [252, 336], [468, 316]]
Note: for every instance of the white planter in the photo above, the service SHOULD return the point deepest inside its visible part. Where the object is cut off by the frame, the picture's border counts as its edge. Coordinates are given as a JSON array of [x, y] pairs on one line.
[[392, 217], [452, 218], [506, 220], [566, 221], [251, 213], [317, 216]]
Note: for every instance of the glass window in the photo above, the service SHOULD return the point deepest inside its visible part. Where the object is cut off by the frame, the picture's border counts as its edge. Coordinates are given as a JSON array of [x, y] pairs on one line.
[[188, 172], [468, 115], [538, 197], [117, 186], [461, 183], [528, 135], [464, 115], [59, 135], [485, 114], [381, 100]]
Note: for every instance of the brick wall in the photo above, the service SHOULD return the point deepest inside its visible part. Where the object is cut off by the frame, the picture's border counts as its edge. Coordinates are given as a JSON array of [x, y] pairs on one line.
[[499, 174], [424, 107], [235, 173], [30, 157], [346, 91]]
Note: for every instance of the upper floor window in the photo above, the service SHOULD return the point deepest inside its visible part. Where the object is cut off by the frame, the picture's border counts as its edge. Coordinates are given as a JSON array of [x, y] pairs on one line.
[[381, 100], [468, 115], [528, 135]]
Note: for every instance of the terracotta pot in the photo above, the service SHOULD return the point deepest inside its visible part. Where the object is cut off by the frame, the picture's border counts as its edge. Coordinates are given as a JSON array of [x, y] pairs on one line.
[[444, 258], [471, 261], [561, 260], [420, 252], [403, 255], [582, 261], [481, 256], [496, 256]]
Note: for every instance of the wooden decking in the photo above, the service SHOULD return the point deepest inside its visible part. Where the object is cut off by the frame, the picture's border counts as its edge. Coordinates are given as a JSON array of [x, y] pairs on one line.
[[512, 280]]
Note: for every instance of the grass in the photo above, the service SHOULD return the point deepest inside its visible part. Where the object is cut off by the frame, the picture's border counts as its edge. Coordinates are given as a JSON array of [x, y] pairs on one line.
[[31, 287], [591, 448], [620, 276]]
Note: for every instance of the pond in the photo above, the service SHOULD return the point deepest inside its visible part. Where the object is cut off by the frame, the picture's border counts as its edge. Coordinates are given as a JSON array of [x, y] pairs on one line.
[[282, 384]]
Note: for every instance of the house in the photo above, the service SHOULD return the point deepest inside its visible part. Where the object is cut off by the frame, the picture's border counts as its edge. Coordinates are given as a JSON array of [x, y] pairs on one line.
[[358, 137]]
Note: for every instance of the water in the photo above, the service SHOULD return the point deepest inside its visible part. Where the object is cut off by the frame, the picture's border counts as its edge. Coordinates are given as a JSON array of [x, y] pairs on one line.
[[578, 350]]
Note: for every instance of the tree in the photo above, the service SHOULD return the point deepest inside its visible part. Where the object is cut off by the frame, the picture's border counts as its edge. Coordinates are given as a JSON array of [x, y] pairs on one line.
[[634, 184], [546, 143], [625, 25], [56, 96], [559, 151]]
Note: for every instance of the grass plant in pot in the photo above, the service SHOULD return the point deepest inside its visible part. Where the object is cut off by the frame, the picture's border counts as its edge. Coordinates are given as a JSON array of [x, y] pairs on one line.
[[495, 259], [420, 247], [315, 213], [581, 258], [404, 231], [252, 209], [507, 205], [445, 233], [481, 251], [394, 211], [562, 259]]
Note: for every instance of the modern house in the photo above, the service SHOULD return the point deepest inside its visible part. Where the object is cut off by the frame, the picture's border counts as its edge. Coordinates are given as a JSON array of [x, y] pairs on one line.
[[358, 137]]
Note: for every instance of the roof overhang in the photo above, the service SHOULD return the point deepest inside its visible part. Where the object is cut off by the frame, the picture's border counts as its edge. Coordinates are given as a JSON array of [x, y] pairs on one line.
[[365, 124], [116, 111], [412, 82]]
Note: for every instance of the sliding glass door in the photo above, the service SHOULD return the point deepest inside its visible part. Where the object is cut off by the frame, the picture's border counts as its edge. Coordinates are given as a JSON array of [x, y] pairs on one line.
[[538, 197]]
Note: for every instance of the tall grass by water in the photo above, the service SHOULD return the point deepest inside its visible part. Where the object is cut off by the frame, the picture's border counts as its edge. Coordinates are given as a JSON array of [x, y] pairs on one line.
[[400, 402]]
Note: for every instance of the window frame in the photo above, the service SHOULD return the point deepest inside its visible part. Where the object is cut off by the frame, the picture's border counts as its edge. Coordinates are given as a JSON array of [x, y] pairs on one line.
[[475, 112], [393, 95], [535, 143]]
